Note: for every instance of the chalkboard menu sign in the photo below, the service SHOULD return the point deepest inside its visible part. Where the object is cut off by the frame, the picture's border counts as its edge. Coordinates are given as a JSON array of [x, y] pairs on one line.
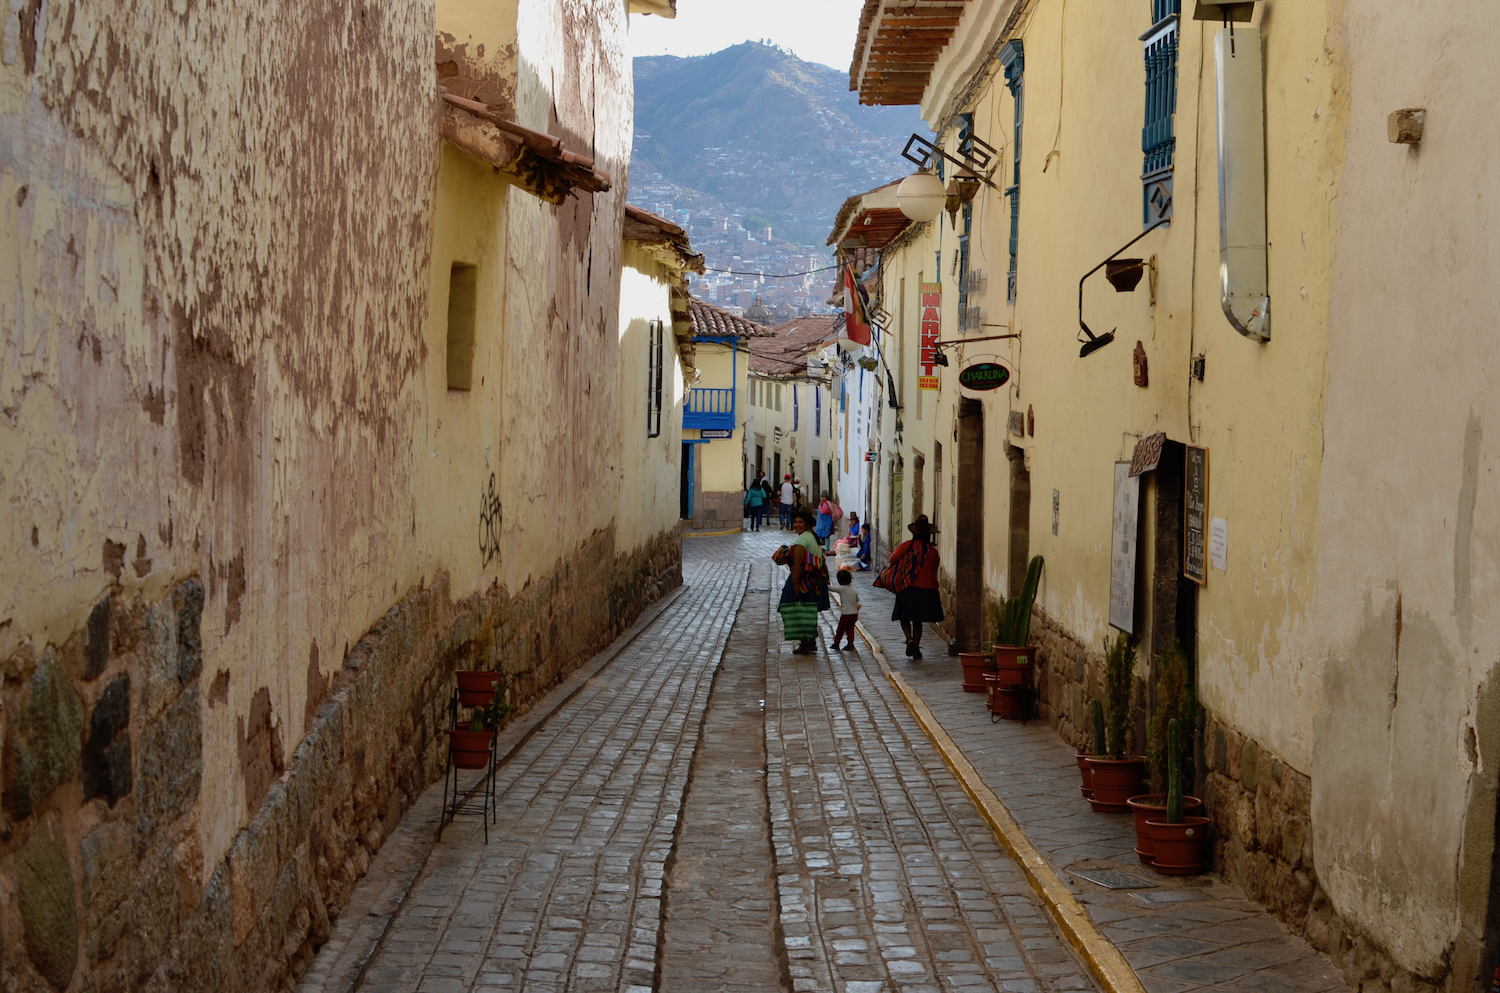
[[1195, 515]]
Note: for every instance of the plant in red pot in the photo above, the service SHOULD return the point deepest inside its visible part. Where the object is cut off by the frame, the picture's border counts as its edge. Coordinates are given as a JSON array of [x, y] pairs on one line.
[[1181, 840], [976, 666], [1086, 771], [1173, 700], [1116, 777], [1015, 660]]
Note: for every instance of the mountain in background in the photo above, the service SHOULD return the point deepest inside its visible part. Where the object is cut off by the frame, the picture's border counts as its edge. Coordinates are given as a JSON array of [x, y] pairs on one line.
[[775, 140]]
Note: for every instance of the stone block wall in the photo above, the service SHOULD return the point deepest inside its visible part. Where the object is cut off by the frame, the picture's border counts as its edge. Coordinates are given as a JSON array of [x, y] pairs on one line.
[[1259, 805], [719, 510], [102, 878]]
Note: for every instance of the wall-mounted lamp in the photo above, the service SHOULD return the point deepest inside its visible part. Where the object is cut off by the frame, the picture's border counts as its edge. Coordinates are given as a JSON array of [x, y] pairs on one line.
[[1124, 280], [921, 196]]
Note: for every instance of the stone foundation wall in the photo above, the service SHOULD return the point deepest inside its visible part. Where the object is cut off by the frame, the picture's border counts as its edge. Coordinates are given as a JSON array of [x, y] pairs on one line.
[[719, 510], [1068, 676], [1259, 805], [102, 878]]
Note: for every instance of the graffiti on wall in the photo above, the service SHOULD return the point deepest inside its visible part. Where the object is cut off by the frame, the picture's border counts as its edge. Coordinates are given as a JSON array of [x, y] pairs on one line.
[[489, 522]]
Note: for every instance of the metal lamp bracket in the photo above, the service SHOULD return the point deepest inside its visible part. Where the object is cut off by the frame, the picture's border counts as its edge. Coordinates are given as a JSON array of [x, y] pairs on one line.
[[922, 152], [1098, 341]]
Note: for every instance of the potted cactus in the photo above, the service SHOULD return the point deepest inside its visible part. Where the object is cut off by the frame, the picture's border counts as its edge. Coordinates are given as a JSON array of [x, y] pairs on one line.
[[1116, 777], [1014, 658], [1180, 840], [1096, 718]]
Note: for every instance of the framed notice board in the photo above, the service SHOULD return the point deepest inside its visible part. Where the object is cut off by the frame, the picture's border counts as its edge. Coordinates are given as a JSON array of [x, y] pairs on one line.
[[1124, 532], [1195, 515]]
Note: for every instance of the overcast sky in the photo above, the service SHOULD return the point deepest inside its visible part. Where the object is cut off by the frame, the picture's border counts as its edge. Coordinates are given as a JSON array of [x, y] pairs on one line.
[[813, 30]]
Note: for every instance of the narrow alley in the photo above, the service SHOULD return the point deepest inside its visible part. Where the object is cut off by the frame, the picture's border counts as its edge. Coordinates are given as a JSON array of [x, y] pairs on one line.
[[708, 812]]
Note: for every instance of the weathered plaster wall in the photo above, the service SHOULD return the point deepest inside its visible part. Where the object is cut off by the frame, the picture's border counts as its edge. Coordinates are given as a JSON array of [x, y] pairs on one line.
[[228, 452], [1402, 792]]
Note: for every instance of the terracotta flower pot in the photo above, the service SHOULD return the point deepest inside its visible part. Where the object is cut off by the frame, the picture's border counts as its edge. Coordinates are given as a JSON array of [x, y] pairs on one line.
[[976, 665], [1008, 702], [1087, 789], [1115, 781], [477, 688], [1153, 806], [471, 749], [1015, 665], [1181, 849]]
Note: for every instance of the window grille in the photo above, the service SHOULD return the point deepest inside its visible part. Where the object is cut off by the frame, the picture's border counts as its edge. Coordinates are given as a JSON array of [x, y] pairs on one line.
[[1013, 59], [656, 356], [1158, 135], [796, 409], [817, 411]]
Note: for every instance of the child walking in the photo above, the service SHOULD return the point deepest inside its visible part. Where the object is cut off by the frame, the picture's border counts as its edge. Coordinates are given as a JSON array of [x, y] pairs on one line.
[[848, 609]]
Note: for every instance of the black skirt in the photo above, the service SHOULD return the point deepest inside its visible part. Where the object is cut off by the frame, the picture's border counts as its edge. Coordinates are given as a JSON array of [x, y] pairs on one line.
[[917, 605]]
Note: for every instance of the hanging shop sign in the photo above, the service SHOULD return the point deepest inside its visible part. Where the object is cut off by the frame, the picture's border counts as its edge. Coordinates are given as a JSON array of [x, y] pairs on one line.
[[872, 456], [984, 375], [1195, 515], [932, 302]]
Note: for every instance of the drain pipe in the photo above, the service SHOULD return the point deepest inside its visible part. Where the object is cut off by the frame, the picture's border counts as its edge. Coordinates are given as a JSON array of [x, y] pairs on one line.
[[1243, 291]]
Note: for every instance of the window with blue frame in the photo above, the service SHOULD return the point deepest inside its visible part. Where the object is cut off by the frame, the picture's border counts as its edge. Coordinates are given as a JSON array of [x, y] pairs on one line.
[[965, 149], [1013, 60], [817, 411], [796, 410], [1158, 135]]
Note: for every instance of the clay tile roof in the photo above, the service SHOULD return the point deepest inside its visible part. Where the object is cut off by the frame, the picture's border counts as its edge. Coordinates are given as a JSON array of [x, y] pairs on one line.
[[646, 228], [870, 219], [566, 171], [784, 352], [709, 320], [897, 46]]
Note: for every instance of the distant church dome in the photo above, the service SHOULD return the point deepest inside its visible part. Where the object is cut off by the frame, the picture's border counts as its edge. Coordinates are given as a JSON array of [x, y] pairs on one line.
[[759, 313]]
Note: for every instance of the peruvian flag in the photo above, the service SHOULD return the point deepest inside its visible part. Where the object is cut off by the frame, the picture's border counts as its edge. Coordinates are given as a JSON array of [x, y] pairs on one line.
[[856, 309]]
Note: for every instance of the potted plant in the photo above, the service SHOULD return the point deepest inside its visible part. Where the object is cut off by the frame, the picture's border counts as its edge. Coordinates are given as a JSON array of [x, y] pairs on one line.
[[1014, 658], [1096, 717], [977, 665], [1174, 701], [1116, 777], [477, 687], [1181, 840], [471, 747]]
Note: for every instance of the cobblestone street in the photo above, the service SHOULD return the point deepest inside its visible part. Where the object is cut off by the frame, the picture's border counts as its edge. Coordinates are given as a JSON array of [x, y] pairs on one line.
[[708, 812]]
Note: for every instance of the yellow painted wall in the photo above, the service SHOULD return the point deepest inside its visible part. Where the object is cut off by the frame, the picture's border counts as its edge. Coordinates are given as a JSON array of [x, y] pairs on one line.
[[647, 469]]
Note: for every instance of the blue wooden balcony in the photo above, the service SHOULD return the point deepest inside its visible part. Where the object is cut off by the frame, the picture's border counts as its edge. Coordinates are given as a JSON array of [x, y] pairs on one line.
[[709, 408]]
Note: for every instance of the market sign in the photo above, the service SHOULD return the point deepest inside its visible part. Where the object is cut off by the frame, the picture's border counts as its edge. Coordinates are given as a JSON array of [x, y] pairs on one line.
[[982, 376], [932, 301]]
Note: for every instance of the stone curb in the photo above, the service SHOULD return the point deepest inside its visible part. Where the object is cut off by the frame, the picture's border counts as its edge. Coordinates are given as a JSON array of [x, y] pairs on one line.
[[1103, 958], [512, 739], [710, 534]]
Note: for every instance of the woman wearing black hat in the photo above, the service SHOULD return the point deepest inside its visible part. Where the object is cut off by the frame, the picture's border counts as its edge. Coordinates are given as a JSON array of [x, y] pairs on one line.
[[919, 602]]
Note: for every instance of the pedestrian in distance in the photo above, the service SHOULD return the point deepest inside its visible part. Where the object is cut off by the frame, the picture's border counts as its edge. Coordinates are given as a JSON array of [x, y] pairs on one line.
[[854, 525], [755, 503], [769, 490], [824, 530], [848, 609], [913, 577], [864, 548], [806, 590], [788, 495]]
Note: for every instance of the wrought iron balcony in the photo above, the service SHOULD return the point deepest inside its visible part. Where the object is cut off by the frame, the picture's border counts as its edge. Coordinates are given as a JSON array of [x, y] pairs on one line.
[[709, 408]]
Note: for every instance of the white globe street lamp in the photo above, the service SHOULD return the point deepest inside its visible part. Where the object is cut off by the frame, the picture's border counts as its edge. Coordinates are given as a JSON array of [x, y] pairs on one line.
[[921, 195]]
